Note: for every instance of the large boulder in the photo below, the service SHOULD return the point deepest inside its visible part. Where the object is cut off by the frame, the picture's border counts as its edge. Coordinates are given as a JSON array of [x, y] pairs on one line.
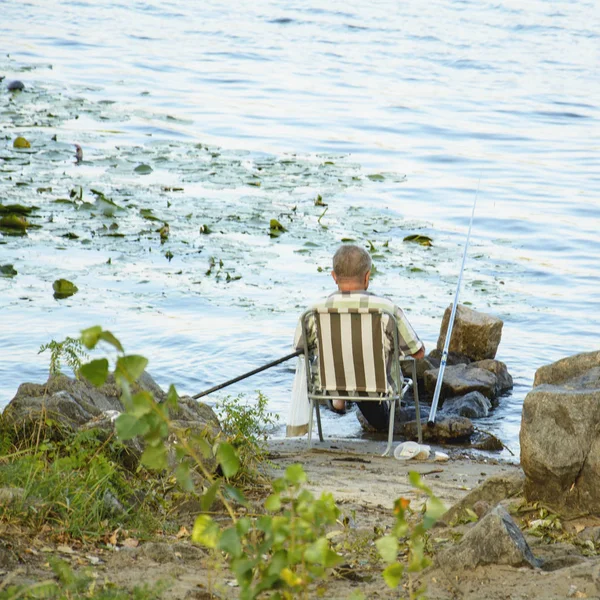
[[462, 379], [560, 435], [494, 540], [475, 334]]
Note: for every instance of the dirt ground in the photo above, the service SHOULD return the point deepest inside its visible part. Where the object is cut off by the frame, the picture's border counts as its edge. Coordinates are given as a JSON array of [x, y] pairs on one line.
[[365, 486]]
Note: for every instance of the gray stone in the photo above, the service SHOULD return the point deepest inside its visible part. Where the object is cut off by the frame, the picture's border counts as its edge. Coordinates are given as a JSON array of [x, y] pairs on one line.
[[504, 380], [446, 429], [475, 334], [473, 405], [453, 358], [494, 540], [560, 446], [492, 491], [459, 380]]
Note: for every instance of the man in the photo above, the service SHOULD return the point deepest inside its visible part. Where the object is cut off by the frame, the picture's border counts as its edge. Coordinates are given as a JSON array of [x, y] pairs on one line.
[[351, 272]]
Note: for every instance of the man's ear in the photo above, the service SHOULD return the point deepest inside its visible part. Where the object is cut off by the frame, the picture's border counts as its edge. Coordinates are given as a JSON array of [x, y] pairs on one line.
[[367, 279], [333, 275]]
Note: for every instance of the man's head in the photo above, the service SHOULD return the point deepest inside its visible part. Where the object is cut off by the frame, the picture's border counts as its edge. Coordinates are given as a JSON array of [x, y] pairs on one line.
[[351, 268]]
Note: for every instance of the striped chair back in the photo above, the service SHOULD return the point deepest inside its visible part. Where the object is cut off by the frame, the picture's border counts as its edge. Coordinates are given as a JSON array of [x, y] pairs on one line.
[[351, 351]]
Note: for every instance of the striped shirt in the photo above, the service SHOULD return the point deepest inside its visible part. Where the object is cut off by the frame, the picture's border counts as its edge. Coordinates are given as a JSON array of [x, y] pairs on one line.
[[409, 342]]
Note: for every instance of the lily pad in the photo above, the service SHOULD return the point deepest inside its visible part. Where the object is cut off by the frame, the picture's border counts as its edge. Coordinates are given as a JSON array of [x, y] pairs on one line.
[[148, 214], [143, 169], [7, 271], [424, 240], [63, 288], [205, 229], [21, 142], [276, 228], [19, 209], [376, 177], [14, 222]]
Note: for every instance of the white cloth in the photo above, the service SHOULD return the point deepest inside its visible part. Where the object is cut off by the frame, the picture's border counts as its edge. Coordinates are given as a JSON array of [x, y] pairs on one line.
[[297, 423]]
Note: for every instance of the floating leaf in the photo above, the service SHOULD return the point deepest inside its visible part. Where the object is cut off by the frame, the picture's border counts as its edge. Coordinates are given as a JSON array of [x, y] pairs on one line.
[[424, 240], [147, 214], [254, 183], [319, 201], [19, 209], [143, 169], [7, 271], [376, 177], [205, 229], [63, 288], [276, 228], [14, 222], [21, 142]]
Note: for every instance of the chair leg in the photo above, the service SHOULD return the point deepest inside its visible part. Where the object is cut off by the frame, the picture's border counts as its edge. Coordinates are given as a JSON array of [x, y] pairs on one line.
[[319, 422], [390, 428], [310, 422], [416, 396]]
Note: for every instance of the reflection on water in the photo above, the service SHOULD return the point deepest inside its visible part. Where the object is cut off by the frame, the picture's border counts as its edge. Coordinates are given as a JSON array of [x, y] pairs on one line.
[[446, 93]]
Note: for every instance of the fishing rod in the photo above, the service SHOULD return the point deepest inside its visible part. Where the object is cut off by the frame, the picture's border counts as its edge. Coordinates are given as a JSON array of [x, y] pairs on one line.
[[248, 374], [440, 378]]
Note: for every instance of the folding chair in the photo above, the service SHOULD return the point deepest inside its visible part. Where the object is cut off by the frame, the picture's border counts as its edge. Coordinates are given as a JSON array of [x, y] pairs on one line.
[[349, 362]]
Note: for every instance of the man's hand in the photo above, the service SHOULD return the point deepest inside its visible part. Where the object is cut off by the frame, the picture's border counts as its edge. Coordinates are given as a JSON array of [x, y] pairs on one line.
[[419, 354]]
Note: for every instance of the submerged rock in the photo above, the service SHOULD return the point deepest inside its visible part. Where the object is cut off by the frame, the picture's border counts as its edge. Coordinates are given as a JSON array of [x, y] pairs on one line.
[[560, 447], [473, 405], [16, 86], [494, 540], [475, 334]]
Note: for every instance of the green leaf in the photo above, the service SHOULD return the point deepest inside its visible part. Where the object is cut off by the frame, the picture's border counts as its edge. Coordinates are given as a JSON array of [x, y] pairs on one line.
[[182, 472], [206, 532], [7, 271], [388, 548], [141, 404], [295, 474], [393, 575], [273, 503], [423, 240], [209, 496], [90, 336], [143, 169], [21, 142], [130, 367], [276, 228], [129, 426], [228, 459], [172, 398], [63, 288], [230, 542], [243, 525], [155, 457], [234, 494], [95, 371], [320, 553], [376, 177], [109, 338]]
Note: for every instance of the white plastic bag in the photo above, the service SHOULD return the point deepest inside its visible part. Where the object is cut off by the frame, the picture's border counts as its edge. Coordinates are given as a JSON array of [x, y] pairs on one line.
[[297, 423]]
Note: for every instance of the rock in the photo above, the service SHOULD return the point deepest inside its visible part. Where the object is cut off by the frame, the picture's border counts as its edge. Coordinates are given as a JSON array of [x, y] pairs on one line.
[[579, 370], [494, 540], [446, 429], [16, 86], [459, 380], [453, 358], [473, 405], [474, 334], [492, 491], [504, 380], [483, 440], [481, 507], [74, 404], [560, 446]]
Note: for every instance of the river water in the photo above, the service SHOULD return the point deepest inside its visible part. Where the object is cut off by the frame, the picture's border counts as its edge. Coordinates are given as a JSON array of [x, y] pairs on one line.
[[392, 112]]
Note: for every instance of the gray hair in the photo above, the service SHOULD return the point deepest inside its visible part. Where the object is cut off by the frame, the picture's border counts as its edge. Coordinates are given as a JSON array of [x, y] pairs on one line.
[[351, 262]]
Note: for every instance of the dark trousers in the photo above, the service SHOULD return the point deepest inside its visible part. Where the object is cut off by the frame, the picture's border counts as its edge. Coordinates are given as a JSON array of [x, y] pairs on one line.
[[376, 413]]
